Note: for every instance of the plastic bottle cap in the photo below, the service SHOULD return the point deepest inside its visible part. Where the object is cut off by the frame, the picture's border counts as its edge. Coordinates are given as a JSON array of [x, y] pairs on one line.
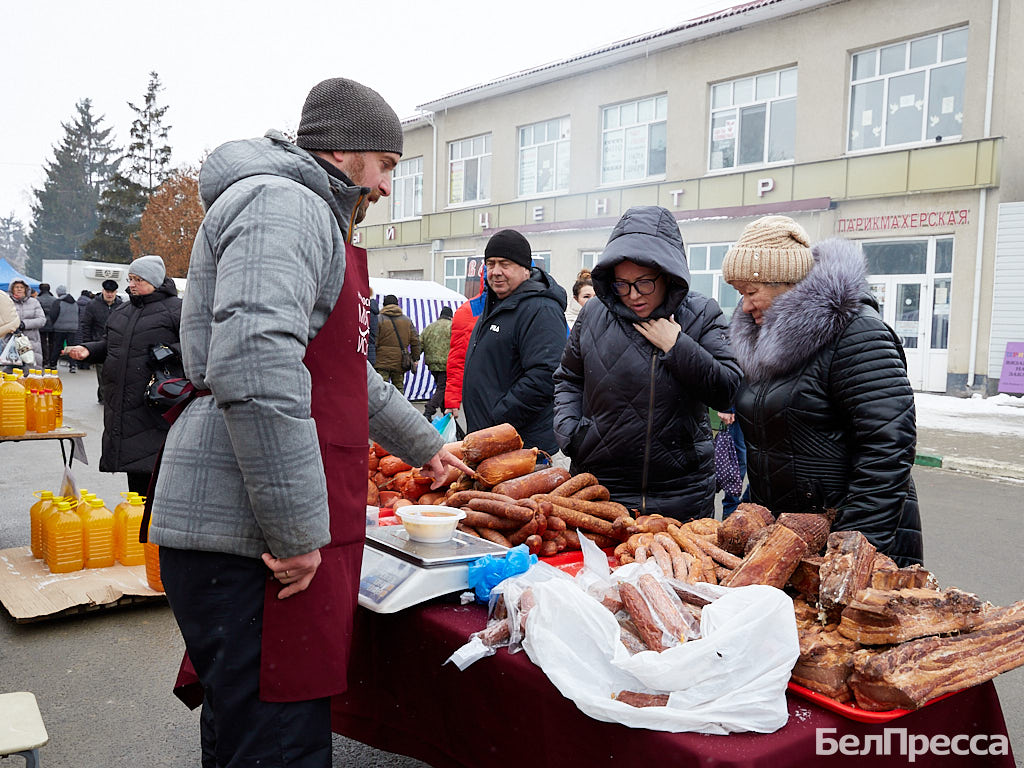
[[96, 502], [63, 505]]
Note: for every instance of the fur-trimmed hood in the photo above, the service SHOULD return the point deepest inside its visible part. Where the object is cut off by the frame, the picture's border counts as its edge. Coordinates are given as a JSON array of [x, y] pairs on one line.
[[807, 318]]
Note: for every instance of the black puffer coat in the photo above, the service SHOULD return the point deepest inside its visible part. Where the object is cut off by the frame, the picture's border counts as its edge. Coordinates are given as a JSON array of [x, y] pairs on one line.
[[826, 407], [514, 349], [632, 415], [134, 432]]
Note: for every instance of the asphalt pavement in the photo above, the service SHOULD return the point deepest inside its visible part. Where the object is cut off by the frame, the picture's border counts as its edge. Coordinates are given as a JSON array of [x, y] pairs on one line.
[[103, 679]]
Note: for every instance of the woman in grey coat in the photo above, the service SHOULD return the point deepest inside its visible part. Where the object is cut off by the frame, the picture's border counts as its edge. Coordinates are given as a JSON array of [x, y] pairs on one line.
[[31, 314]]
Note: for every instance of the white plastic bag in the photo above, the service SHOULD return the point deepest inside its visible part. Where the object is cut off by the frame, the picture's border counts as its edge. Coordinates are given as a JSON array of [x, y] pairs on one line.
[[732, 679]]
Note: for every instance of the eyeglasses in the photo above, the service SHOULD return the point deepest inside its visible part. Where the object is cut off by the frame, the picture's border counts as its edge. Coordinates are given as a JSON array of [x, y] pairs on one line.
[[644, 286]]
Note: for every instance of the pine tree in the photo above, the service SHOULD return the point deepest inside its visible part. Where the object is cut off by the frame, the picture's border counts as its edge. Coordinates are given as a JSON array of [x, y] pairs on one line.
[[64, 213], [149, 154], [12, 241], [143, 167]]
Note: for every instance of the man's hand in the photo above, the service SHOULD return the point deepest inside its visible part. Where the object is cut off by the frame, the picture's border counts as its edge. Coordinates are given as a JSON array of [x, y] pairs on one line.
[[76, 353], [437, 467], [727, 418], [662, 332], [295, 573]]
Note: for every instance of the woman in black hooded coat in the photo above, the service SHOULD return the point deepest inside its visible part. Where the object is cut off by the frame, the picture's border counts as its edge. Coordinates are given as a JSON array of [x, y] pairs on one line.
[[633, 390]]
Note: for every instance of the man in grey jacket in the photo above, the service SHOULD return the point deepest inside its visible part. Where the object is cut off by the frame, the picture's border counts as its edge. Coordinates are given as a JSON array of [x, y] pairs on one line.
[[259, 506]]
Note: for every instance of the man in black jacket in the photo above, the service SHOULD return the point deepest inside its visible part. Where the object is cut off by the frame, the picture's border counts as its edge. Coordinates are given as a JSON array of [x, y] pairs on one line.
[[516, 345], [46, 300], [93, 321]]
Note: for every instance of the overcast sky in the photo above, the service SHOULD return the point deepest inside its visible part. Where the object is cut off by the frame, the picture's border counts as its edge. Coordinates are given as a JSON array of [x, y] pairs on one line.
[[232, 69]]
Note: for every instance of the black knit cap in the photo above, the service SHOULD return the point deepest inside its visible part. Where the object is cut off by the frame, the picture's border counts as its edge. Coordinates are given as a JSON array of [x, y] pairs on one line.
[[509, 244], [343, 115]]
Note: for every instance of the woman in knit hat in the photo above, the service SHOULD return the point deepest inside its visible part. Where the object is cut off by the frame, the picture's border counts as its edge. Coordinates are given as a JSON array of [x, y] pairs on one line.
[[644, 360], [826, 408]]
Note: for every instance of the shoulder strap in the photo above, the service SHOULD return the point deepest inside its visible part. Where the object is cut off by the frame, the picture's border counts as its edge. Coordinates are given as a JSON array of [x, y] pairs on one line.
[[398, 336]]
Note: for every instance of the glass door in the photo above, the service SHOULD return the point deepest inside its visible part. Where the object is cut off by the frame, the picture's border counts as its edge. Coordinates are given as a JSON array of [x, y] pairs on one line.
[[899, 301]]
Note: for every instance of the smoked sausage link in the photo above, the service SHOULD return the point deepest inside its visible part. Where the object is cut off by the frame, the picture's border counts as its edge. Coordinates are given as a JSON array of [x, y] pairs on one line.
[[543, 481], [484, 443], [650, 632], [506, 466]]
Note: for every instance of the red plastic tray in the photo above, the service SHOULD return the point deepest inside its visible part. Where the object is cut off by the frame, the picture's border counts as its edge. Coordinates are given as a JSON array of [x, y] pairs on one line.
[[856, 713]]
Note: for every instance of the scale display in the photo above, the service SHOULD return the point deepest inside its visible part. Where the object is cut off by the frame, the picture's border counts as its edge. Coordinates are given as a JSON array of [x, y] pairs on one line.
[[398, 573]]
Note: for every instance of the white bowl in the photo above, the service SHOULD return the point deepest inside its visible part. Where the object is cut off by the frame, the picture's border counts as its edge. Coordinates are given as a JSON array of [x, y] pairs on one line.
[[429, 523]]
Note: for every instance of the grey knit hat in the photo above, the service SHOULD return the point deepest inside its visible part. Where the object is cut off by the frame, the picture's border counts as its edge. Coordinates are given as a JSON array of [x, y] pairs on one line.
[[149, 268], [343, 115], [772, 249]]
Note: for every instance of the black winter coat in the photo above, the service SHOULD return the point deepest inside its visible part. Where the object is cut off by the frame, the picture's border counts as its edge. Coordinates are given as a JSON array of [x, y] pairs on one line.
[[632, 415], [93, 319], [826, 408], [514, 350], [134, 432]]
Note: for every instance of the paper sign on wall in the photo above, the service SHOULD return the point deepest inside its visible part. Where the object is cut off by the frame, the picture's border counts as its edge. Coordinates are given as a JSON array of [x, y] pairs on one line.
[[1011, 379]]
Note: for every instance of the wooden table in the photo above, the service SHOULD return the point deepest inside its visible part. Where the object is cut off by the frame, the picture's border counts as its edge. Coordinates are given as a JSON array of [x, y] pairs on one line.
[[72, 436]]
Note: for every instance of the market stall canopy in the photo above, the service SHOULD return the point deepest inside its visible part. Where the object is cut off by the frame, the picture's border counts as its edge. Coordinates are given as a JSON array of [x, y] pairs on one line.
[[422, 301], [9, 274]]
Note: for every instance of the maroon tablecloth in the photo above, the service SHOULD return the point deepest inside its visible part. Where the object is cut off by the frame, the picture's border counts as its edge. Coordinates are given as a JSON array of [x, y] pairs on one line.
[[503, 711]]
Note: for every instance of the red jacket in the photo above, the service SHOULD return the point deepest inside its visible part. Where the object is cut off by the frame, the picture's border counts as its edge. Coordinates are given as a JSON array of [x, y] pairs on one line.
[[462, 328]]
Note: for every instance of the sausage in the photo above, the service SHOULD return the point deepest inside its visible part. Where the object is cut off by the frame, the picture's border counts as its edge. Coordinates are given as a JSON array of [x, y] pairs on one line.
[[637, 699], [555, 523], [506, 466], [606, 510], [661, 557], [503, 509], [372, 494], [525, 532], [638, 610], [604, 542], [373, 461], [484, 443], [392, 465], [575, 484], [592, 493], [479, 520], [494, 633], [542, 481], [583, 520], [548, 549], [467, 529], [533, 544], [661, 605], [640, 555], [462, 498], [630, 638], [496, 536], [704, 561], [455, 449], [727, 559]]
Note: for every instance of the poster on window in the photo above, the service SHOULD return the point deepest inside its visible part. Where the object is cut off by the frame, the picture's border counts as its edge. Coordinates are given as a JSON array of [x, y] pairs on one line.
[[635, 164], [724, 132], [474, 267], [456, 182], [611, 157]]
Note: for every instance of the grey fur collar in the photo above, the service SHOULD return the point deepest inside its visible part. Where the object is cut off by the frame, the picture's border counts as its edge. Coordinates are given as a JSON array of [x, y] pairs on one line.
[[805, 319]]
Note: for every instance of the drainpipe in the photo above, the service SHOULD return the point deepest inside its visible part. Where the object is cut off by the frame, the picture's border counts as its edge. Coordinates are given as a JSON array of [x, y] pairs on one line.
[[993, 33]]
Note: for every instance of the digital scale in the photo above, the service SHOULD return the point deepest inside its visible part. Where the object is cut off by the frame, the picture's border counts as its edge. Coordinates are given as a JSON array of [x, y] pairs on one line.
[[398, 572]]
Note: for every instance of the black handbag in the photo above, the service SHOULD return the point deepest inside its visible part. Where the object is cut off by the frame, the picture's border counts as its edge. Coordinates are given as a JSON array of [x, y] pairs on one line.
[[167, 384], [406, 355]]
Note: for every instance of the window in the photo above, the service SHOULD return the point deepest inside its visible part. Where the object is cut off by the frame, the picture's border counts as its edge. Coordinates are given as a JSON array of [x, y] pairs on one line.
[[908, 92], [469, 170], [589, 259], [633, 140], [705, 263], [753, 120], [542, 259], [544, 157], [407, 189], [462, 274]]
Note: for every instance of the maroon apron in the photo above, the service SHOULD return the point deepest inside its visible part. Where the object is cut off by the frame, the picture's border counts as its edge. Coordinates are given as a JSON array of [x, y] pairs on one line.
[[306, 637]]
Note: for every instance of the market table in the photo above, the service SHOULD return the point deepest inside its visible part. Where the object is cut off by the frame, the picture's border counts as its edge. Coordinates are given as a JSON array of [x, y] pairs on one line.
[[73, 438], [503, 711]]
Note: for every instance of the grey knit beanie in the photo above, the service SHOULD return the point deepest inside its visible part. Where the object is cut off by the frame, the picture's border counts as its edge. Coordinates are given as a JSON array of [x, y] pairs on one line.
[[149, 268], [343, 115], [772, 249]]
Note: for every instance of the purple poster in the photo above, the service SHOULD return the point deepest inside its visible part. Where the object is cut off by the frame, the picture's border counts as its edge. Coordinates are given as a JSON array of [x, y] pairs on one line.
[[1011, 379]]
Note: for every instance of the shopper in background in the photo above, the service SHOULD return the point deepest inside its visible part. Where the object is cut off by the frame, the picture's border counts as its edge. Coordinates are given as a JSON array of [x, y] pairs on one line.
[[64, 315], [515, 344], [30, 314], [371, 350], [644, 361], [133, 430], [825, 404], [436, 341], [582, 292], [93, 322], [395, 333], [463, 322], [46, 300]]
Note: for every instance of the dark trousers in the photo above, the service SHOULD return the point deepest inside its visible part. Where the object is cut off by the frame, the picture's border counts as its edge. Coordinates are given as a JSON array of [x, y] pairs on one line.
[[46, 343], [60, 339], [217, 600], [139, 482], [98, 367], [436, 399]]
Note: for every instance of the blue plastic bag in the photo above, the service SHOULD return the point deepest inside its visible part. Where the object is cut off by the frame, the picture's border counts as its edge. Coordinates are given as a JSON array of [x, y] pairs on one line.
[[485, 573], [445, 425]]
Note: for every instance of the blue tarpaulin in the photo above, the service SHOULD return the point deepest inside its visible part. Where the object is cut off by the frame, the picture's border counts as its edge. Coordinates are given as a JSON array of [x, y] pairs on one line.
[[9, 274]]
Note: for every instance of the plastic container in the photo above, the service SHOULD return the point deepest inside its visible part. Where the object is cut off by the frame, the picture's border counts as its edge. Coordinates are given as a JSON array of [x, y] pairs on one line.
[[63, 531], [97, 535], [12, 407], [52, 380], [128, 549], [152, 561], [429, 523], [35, 516]]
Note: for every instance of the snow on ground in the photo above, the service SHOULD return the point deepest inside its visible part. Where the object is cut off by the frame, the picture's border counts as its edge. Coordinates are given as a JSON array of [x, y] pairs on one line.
[[1002, 414]]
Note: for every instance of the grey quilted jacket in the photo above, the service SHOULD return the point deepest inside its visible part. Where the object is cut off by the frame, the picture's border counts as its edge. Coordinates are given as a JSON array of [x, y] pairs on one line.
[[242, 472]]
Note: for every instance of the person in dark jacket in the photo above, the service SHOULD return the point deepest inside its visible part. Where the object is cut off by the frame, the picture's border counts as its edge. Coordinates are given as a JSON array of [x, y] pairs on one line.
[[436, 341], [371, 350], [395, 332], [826, 408], [93, 321], [64, 316], [46, 300], [84, 297], [134, 432], [515, 345], [644, 361]]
